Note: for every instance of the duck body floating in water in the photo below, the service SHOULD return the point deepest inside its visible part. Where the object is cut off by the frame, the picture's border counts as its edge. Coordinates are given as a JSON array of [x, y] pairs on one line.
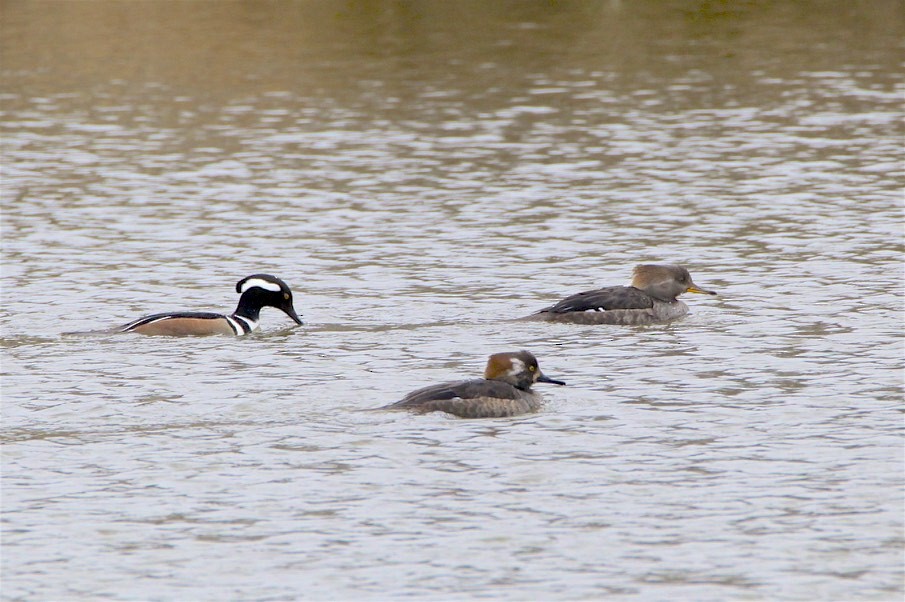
[[651, 298]]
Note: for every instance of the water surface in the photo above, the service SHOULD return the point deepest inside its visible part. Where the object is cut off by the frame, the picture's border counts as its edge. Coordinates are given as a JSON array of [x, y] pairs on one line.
[[420, 174]]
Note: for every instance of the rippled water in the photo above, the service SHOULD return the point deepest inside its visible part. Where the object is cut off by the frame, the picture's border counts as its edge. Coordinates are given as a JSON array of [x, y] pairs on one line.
[[420, 174]]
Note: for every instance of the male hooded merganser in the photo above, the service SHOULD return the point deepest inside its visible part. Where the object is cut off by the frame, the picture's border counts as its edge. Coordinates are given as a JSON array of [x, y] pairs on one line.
[[651, 298], [505, 390], [257, 290]]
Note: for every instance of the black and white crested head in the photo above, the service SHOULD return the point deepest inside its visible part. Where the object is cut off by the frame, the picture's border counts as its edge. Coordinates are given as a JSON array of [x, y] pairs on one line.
[[264, 290], [265, 282], [518, 368]]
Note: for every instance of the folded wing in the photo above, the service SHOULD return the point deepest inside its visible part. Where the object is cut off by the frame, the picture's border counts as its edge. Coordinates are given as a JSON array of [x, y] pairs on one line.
[[465, 389], [195, 315], [603, 299]]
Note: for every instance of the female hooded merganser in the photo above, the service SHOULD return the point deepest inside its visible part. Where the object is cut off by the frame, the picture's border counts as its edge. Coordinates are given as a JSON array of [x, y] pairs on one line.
[[505, 390], [651, 298], [257, 290]]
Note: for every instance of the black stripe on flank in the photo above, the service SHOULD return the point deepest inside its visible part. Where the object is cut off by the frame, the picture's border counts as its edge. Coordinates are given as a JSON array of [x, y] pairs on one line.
[[247, 326], [201, 315]]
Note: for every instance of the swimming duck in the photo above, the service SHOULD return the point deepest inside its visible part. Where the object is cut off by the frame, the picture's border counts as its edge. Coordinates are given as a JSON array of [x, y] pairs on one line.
[[257, 290], [505, 390], [650, 299]]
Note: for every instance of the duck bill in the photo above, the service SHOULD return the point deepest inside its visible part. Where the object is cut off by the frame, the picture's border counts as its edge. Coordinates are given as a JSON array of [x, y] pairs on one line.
[[290, 311], [696, 289], [545, 379]]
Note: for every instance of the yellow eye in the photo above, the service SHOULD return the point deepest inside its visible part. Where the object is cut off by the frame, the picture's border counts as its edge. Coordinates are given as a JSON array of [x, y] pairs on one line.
[[286, 296], [532, 368]]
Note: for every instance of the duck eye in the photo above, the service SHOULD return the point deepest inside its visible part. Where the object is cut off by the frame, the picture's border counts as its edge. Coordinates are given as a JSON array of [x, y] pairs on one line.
[[286, 296], [532, 368]]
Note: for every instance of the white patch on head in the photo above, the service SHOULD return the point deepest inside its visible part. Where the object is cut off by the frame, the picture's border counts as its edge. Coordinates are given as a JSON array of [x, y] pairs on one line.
[[518, 366], [261, 283]]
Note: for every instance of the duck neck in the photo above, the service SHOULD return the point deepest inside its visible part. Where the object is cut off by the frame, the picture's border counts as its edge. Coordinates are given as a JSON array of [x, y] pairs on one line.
[[522, 383], [249, 307]]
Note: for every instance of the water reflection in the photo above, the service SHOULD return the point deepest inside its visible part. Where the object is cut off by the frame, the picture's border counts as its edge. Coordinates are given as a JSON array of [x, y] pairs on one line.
[[421, 173]]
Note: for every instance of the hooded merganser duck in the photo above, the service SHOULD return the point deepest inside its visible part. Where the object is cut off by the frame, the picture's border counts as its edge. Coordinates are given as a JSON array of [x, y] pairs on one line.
[[505, 390], [257, 290], [650, 299]]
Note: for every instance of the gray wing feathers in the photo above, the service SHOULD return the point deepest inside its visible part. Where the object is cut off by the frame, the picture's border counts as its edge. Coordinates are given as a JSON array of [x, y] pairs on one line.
[[603, 299], [465, 389]]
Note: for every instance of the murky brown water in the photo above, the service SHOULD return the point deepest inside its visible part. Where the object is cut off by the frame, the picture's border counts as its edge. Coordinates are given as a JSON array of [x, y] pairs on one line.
[[420, 173]]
